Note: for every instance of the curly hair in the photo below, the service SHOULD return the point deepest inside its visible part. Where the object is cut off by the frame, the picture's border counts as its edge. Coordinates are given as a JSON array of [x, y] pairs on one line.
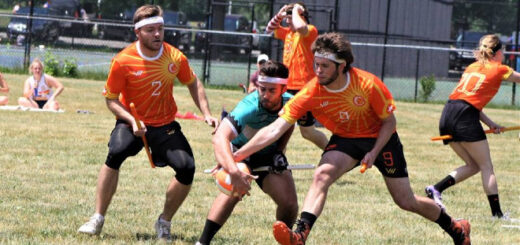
[[335, 43]]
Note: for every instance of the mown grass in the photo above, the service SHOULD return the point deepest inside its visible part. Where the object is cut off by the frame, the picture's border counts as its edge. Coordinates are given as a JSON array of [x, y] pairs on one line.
[[49, 165]]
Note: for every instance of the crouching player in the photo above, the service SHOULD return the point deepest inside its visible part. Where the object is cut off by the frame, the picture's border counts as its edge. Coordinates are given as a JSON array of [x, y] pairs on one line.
[[255, 111]]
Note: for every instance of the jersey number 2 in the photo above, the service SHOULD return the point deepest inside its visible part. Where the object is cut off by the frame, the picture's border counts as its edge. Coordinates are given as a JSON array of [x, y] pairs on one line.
[[156, 85]]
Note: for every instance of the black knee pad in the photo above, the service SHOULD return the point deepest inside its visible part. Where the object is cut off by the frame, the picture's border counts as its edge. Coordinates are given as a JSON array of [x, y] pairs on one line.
[[183, 164]]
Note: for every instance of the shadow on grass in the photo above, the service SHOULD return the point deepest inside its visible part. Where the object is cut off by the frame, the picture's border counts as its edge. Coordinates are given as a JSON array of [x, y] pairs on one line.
[[151, 237]]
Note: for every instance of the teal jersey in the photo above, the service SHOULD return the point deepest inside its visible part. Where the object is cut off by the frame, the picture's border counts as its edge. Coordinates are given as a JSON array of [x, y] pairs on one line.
[[249, 116]]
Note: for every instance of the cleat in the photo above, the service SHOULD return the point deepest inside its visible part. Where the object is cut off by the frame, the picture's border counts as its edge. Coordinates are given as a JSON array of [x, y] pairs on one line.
[[464, 229], [435, 195], [93, 226], [285, 236], [163, 229]]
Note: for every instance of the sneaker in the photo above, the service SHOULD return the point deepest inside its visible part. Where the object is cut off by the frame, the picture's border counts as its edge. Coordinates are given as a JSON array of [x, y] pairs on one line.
[[435, 195], [93, 226], [463, 228], [163, 229], [285, 236]]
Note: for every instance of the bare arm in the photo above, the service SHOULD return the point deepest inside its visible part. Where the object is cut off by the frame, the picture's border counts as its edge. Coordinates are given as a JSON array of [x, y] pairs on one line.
[[514, 77], [222, 148], [274, 23], [492, 125], [3, 85], [284, 140], [386, 131], [298, 22], [266, 136], [199, 97], [120, 112], [55, 84], [27, 91]]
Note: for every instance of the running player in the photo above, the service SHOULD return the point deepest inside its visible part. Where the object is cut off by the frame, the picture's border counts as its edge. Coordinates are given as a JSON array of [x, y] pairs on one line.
[[38, 89], [144, 73], [462, 115], [4, 89], [297, 55], [252, 113], [357, 107]]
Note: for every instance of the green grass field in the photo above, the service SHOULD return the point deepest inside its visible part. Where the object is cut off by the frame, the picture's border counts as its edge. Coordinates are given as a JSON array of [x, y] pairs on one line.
[[49, 164]]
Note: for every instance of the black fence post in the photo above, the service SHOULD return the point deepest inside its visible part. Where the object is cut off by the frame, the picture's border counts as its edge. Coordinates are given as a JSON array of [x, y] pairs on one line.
[[386, 39], [418, 54], [27, 52]]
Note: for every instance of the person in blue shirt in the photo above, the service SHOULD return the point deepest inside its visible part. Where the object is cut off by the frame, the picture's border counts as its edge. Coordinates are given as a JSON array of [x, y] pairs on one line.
[[252, 113]]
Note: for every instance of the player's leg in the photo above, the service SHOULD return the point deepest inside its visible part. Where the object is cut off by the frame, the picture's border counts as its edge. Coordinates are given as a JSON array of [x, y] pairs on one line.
[[218, 214], [122, 144], [22, 101], [479, 151], [52, 105], [280, 187], [333, 165], [404, 197], [4, 100]]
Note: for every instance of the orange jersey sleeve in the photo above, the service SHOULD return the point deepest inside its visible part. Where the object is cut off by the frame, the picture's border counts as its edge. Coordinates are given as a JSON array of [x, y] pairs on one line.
[[148, 82], [480, 83], [355, 111], [297, 55]]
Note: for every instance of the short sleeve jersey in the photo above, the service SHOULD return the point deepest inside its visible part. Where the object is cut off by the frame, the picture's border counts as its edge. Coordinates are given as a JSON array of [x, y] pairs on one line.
[[297, 55], [355, 111], [148, 82], [480, 82], [249, 116]]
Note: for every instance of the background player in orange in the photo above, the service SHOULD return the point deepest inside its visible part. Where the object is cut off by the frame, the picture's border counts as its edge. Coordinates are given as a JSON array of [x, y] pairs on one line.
[[298, 57], [144, 73], [462, 115], [357, 107], [4, 89]]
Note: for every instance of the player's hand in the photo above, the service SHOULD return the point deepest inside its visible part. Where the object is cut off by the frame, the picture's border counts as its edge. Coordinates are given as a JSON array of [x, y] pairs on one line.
[[241, 183], [298, 9], [369, 159], [283, 11], [497, 129], [211, 121], [138, 132], [279, 162]]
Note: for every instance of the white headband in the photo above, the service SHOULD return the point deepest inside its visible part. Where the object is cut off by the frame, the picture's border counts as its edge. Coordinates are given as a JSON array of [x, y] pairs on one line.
[[277, 80], [329, 56], [148, 21]]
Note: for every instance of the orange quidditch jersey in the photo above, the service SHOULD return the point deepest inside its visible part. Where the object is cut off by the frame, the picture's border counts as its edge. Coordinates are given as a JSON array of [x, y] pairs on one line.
[[297, 55], [480, 82], [355, 111], [148, 82]]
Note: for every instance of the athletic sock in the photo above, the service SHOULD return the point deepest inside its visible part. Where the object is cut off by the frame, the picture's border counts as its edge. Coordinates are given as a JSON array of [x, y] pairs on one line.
[[210, 229], [494, 203], [449, 225], [308, 218], [444, 183]]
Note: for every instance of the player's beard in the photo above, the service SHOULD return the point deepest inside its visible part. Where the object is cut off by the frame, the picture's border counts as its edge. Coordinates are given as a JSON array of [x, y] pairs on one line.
[[153, 44], [270, 106], [331, 79]]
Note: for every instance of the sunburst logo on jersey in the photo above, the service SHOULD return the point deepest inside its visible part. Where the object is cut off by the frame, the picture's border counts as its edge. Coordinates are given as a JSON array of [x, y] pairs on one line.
[[358, 100], [172, 68]]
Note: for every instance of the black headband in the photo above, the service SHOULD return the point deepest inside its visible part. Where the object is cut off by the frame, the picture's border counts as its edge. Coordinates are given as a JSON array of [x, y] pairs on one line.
[[497, 47]]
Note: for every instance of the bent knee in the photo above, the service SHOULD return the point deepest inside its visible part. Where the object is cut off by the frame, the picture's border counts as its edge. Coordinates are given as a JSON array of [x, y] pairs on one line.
[[183, 164], [408, 204]]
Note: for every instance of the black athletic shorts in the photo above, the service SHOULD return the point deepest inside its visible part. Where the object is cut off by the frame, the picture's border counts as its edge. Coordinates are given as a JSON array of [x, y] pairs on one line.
[[306, 120], [258, 160], [390, 161], [461, 120], [160, 140]]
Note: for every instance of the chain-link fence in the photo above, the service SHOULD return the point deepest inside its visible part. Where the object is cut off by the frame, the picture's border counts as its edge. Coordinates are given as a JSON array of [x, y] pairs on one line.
[[225, 54]]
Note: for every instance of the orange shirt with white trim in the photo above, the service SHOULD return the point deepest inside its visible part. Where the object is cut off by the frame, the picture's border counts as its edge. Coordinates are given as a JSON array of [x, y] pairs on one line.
[[297, 55], [354, 111], [480, 83], [148, 82]]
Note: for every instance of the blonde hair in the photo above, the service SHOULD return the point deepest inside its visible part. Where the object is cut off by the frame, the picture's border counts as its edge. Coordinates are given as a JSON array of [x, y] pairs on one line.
[[487, 48], [38, 61], [147, 11]]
